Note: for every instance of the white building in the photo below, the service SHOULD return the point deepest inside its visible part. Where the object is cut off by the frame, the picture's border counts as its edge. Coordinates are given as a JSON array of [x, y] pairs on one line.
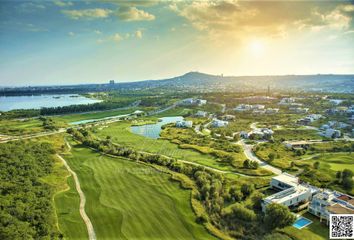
[[272, 110], [287, 101], [329, 202], [331, 133], [188, 101], [291, 193], [257, 107], [299, 109], [201, 114], [284, 181], [264, 133], [219, 123], [350, 110], [243, 108], [184, 124], [201, 101], [193, 101], [138, 113], [336, 101], [244, 134]]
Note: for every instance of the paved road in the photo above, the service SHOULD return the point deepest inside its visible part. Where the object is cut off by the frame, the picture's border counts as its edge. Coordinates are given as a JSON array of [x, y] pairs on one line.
[[251, 156], [87, 221]]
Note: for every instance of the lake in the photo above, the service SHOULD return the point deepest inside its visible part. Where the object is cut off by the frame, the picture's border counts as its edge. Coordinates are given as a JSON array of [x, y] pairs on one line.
[[8, 103], [153, 130]]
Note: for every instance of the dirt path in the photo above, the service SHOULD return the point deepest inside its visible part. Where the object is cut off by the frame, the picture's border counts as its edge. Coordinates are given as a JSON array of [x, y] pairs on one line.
[[87, 221]]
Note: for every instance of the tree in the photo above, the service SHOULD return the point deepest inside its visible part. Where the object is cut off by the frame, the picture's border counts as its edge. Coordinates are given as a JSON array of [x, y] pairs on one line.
[[316, 165], [247, 189], [271, 156], [347, 183], [257, 200], [292, 164], [339, 175], [235, 194], [254, 165], [347, 173], [246, 163], [239, 212], [278, 216]]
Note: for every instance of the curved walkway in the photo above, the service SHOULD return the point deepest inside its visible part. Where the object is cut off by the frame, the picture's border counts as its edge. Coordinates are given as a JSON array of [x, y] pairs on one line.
[[247, 149], [87, 221]]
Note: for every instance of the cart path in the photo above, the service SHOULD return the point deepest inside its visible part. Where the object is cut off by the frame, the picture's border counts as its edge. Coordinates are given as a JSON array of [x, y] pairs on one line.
[[87, 221]]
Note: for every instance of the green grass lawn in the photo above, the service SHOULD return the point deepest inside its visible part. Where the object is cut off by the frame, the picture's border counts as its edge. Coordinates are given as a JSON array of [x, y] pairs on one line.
[[283, 156], [126, 200], [314, 231], [17, 127], [335, 161], [330, 163], [296, 134], [95, 115], [70, 222], [120, 133]]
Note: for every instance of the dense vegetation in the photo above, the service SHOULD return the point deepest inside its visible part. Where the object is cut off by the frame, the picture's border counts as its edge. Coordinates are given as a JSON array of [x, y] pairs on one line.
[[26, 208], [84, 107]]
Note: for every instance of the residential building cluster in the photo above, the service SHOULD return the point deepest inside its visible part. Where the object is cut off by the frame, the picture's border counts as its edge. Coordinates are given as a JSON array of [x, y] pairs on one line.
[[259, 133], [216, 123], [258, 109], [184, 124], [299, 110], [309, 119], [319, 202], [193, 101]]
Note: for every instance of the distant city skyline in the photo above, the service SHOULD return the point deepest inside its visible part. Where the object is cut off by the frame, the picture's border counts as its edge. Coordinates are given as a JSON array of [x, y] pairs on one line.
[[70, 42]]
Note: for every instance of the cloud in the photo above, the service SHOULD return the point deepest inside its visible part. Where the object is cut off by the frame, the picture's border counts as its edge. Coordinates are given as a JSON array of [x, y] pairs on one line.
[[30, 7], [133, 14], [117, 37], [139, 34], [98, 32], [347, 8], [88, 13], [274, 19], [144, 3], [71, 34], [63, 3]]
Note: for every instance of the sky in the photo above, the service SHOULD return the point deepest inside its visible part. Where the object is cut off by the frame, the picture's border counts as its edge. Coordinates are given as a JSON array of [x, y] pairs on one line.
[[72, 42]]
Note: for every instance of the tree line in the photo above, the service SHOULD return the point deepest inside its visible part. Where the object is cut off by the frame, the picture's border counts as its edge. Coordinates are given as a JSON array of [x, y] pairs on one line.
[[84, 107]]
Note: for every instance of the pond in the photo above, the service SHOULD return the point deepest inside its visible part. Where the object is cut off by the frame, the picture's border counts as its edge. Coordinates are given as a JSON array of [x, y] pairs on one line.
[[8, 103], [153, 130]]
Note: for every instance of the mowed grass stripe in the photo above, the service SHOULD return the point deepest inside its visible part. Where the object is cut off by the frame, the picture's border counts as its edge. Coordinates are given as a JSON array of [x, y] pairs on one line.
[[127, 200], [141, 202]]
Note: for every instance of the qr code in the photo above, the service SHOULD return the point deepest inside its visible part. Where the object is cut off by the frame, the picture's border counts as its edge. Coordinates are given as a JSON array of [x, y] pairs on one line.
[[341, 226]]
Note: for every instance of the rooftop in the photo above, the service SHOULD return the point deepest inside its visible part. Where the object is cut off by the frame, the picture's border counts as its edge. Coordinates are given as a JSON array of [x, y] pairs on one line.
[[287, 178], [339, 209], [287, 194]]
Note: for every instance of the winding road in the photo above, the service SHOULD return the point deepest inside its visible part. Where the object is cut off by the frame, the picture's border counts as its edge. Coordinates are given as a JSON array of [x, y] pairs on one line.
[[247, 149]]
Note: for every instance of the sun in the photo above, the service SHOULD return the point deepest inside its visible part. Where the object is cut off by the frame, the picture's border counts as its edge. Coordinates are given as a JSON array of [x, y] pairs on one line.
[[257, 47]]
